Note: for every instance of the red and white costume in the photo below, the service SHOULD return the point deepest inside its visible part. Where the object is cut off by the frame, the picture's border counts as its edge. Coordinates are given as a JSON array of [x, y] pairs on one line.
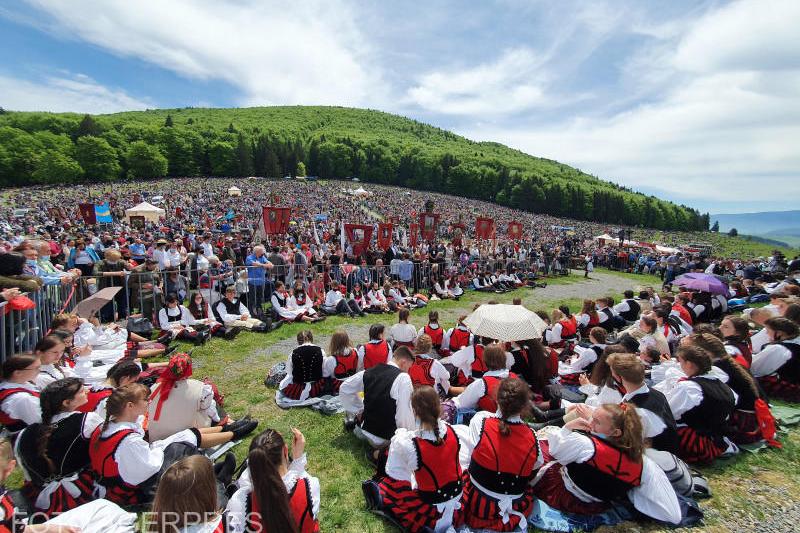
[[497, 490], [423, 483], [428, 371], [481, 394], [19, 407], [244, 514], [374, 352], [585, 473]]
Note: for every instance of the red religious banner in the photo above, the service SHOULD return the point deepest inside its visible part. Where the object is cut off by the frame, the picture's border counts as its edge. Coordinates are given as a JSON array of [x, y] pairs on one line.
[[413, 233], [178, 212], [428, 222], [359, 236], [484, 228], [514, 230], [384, 235], [276, 219], [88, 213]]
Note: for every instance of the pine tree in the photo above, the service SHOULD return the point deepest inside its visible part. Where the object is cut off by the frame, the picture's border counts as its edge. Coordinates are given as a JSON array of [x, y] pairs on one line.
[[88, 126], [168, 122], [733, 233], [715, 227]]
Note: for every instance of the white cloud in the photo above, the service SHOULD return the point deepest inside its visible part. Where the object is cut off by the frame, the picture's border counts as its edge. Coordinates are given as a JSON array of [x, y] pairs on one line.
[[720, 120], [275, 52], [78, 93], [507, 85]]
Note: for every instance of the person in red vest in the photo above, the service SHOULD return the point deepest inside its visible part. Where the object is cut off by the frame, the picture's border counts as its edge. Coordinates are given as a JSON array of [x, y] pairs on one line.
[[377, 350], [469, 361], [99, 515], [127, 466], [679, 307], [587, 318], [275, 493], [736, 333], [593, 462], [19, 398], [564, 328], [119, 375], [456, 338], [427, 371], [433, 330], [504, 458], [348, 362], [481, 394], [186, 499], [422, 488]]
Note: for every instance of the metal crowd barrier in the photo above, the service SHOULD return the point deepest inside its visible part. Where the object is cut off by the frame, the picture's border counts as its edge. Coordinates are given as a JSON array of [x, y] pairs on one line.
[[21, 330]]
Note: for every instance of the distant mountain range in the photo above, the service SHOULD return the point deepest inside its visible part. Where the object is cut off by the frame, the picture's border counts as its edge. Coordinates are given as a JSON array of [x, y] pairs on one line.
[[781, 226]]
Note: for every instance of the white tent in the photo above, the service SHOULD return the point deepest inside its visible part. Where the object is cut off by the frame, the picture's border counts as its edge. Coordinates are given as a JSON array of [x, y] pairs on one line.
[[234, 191], [360, 192], [150, 212]]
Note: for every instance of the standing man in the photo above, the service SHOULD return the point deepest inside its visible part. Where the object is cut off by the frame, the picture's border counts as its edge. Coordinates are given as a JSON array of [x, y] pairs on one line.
[[259, 284]]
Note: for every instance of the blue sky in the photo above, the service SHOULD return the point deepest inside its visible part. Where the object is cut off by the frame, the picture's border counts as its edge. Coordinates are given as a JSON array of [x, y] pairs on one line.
[[695, 101]]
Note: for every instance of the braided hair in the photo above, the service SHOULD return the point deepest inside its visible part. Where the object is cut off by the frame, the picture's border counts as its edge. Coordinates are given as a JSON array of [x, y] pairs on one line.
[[52, 401], [427, 407], [513, 397]]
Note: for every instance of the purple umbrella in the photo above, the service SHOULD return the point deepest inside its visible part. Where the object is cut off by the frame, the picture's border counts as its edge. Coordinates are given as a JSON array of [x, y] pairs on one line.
[[701, 282]]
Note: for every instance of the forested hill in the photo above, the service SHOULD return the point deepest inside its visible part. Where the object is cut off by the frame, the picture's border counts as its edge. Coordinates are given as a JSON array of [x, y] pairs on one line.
[[329, 142]]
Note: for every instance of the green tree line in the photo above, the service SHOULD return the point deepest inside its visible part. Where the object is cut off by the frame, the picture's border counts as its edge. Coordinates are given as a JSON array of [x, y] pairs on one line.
[[328, 142]]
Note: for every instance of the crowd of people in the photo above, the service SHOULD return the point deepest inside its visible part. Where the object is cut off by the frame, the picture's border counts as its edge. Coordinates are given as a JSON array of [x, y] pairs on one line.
[[604, 410]]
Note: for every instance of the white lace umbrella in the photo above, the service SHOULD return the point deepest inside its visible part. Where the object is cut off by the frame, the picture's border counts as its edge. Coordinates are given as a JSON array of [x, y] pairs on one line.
[[504, 322]]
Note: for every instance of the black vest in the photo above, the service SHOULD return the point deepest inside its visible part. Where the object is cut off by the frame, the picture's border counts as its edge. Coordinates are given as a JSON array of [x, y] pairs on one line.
[[307, 364], [655, 402], [607, 325], [633, 312], [711, 416], [67, 448], [175, 318], [790, 371], [747, 396], [231, 308], [379, 407]]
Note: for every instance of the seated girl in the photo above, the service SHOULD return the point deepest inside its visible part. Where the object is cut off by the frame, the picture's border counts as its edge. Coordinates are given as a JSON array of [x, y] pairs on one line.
[[584, 358], [98, 516], [377, 350], [751, 419], [736, 333], [19, 397], [456, 338], [348, 362], [777, 365], [427, 371], [282, 305], [50, 351], [564, 328], [125, 465], [119, 375], [403, 333], [481, 394], [422, 485], [434, 330], [54, 454], [308, 371], [504, 457], [187, 499], [377, 300], [176, 321], [593, 463], [198, 308], [275, 494], [299, 301], [701, 405], [469, 361]]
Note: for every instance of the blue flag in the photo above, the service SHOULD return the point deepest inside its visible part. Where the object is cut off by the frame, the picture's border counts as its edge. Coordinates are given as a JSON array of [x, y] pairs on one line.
[[102, 213]]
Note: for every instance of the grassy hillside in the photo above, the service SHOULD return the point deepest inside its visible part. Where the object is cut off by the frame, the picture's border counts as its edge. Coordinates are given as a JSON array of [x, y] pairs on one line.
[[329, 142]]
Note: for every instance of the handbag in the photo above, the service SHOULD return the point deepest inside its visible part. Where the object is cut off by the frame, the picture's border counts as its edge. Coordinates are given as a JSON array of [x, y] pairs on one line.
[[141, 326]]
